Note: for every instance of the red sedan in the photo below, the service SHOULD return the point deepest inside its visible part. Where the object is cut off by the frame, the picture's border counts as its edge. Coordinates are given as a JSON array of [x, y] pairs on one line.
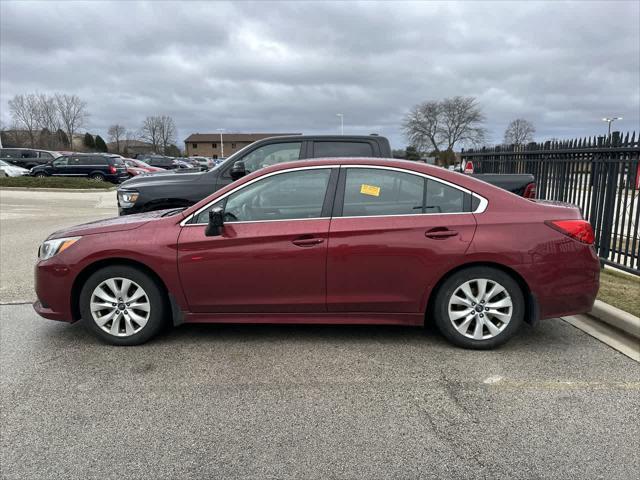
[[137, 167], [353, 241]]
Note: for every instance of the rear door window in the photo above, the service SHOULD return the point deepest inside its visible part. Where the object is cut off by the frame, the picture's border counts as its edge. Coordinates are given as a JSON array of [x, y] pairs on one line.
[[376, 192], [342, 149], [372, 192], [443, 198]]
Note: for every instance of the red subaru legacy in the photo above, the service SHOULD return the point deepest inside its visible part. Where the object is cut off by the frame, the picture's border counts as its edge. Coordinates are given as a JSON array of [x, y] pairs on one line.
[[353, 241]]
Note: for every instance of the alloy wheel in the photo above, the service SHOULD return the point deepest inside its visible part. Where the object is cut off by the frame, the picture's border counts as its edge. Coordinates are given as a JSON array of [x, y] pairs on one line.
[[480, 309], [120, 307]]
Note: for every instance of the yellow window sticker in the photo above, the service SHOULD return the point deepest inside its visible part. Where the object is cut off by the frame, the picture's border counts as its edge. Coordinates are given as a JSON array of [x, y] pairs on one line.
[[370, 190]]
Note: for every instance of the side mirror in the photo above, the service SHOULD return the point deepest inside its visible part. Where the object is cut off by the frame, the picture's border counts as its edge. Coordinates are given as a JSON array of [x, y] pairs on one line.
[[216, 222], [238, 170]]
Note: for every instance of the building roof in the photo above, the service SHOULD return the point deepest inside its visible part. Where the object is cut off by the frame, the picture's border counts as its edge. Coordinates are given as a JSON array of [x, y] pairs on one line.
[[233, 137]]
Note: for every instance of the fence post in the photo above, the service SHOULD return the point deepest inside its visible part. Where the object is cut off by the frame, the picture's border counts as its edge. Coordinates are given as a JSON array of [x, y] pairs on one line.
[[610, 186]]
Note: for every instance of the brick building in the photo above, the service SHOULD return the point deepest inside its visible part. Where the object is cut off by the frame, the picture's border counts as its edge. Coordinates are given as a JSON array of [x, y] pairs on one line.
[[208, 144]]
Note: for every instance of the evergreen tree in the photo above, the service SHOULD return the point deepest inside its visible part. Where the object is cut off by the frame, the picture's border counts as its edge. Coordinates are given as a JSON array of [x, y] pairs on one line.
[[101, 146], [89, 142]]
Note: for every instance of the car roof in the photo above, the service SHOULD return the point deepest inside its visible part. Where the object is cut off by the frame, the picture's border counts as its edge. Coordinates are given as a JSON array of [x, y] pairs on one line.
[[344, 138]]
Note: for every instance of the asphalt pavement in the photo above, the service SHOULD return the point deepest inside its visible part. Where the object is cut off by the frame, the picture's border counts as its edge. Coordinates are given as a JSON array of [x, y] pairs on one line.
[[27, 218], [224, 401], [210, 401]]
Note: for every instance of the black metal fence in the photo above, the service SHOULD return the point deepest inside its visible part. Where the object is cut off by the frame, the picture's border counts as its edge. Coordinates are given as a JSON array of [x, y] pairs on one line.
[[601, 175]]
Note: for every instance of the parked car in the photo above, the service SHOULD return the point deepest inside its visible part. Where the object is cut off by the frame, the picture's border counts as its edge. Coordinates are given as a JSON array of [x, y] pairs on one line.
[[166, 163], [27, 157], [94, 166], [205, 163], [169, 191], [328, 241], [11, 170], [137, 167]]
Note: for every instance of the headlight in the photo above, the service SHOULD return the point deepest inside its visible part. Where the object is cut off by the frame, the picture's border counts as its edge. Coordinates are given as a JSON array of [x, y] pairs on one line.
[[127, 199], [52, 247]]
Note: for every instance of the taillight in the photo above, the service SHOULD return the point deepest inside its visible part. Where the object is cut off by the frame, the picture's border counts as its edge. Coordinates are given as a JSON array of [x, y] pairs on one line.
[[530, 191], [578, 229], [112, 169]]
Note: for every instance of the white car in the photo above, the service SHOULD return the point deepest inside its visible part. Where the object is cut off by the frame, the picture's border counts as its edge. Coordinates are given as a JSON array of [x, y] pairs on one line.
[[11, 170]]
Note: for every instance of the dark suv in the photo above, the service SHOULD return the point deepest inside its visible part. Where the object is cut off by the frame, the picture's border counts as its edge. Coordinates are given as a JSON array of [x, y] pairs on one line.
[[96, 167], [161, 191], [27, 157]]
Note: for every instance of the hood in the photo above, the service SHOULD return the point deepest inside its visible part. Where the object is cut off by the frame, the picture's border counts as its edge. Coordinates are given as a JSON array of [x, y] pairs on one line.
[[15, 168], [161, 178], [116, 224]]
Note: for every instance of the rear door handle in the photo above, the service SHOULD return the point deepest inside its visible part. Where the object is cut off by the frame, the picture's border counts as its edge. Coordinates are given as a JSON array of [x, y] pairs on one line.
[[440, 233], [307, 241]]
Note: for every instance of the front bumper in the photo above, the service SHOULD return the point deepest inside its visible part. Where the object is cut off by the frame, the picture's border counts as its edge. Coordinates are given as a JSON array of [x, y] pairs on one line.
[[53, 285]]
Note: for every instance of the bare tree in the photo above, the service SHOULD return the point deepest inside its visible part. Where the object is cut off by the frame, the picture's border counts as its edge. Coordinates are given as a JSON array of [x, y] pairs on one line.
[[519, 132], [49, 114], [167, 132], [441, 125], [73, 113], [160, 131], [25, 111], [462, 121], [150, 132], [49, 121], [116, 135], [421, 126]]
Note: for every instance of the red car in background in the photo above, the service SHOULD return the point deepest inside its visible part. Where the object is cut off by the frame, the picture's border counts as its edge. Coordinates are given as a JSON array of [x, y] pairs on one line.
[[137, 167], [353, 241]]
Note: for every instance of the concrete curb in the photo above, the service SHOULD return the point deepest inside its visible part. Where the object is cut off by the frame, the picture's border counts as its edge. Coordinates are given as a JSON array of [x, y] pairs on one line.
[[616, 318], [111, 189]]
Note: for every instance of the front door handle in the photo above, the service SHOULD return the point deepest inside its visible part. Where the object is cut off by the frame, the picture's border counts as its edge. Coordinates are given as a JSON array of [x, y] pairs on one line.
[[307, 241], [440, 233]]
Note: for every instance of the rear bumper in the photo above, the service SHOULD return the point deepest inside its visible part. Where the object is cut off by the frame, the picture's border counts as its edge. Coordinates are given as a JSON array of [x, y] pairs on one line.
[[566, 288]]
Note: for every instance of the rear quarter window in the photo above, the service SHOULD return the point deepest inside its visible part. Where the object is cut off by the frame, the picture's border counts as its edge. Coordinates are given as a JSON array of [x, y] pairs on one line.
[[342, 149]]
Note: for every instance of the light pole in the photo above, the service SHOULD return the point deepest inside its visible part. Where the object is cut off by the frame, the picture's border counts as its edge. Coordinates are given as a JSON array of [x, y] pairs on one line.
[[610, 121], [341, 115], [221, 142]]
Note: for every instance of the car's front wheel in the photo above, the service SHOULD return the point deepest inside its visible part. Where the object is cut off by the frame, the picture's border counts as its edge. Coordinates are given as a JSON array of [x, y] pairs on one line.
[[40, 175], [122, 305], [479, 307]]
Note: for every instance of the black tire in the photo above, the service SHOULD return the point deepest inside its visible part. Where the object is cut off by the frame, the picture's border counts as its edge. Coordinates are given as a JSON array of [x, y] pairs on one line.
[[40, 175], [158, 311], [453, 283], [97, 177]]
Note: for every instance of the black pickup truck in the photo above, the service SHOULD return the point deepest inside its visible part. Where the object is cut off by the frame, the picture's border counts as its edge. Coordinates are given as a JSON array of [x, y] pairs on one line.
[[174, 190]]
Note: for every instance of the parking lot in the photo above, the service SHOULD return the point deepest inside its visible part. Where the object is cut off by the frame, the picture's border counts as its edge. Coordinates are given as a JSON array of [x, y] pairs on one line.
[[210, 401]]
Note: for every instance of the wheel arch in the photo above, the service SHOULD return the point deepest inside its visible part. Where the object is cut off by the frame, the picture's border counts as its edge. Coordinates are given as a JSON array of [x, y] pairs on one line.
[[532, 310], [90, 269]]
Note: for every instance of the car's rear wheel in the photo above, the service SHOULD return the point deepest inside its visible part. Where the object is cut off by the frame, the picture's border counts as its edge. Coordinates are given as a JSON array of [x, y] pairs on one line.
[[97, 177], [479, 307], [40, 175], [122, 305]]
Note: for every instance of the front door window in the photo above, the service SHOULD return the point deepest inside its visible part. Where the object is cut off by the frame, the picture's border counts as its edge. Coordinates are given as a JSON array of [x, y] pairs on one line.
[[271, 154], [284, 196]]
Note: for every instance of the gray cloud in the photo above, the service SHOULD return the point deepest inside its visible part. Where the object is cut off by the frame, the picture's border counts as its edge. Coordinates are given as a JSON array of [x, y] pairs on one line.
[[263, 66]]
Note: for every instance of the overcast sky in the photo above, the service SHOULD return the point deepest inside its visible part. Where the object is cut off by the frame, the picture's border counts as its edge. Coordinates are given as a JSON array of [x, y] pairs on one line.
[[291, 66]]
